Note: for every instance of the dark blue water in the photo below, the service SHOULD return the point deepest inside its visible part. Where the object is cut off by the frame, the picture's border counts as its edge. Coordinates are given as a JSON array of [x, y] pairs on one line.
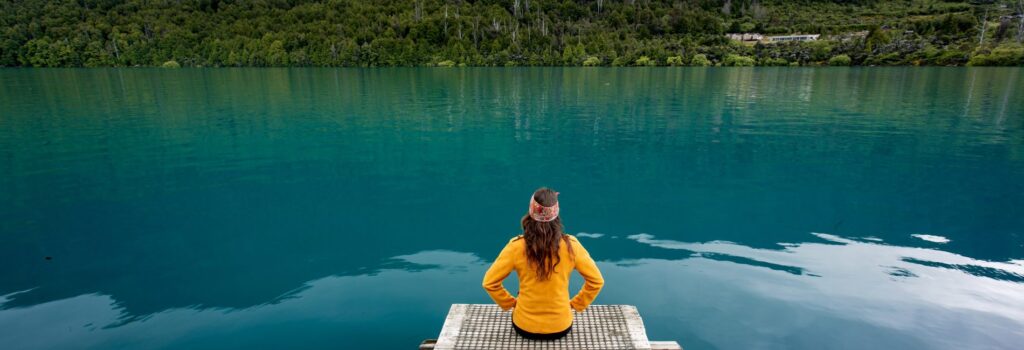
[[318, 208]]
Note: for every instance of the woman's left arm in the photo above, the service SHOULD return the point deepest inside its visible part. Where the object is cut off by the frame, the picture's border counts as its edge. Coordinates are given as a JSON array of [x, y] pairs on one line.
[[500, 269]]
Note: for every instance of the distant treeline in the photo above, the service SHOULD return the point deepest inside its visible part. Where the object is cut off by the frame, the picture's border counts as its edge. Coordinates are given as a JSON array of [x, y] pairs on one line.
[[98, 33]]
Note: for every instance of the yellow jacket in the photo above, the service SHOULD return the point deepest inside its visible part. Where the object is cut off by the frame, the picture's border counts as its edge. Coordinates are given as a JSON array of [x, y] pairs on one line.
[[543, 306]]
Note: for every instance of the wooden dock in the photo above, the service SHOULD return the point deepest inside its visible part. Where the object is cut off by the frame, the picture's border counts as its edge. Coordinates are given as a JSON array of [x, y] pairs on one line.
[[485, 326]]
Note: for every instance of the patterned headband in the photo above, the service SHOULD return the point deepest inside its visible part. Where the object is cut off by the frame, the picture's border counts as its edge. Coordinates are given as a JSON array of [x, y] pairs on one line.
[[541, 213]]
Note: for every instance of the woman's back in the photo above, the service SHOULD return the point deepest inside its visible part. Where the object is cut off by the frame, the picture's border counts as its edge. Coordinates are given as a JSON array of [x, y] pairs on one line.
[[543, 305]]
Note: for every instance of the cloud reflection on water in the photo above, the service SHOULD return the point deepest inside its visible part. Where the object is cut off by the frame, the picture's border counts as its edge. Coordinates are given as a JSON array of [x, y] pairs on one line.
[[931, 238], [936, 298], [353, 310], [832, 293]]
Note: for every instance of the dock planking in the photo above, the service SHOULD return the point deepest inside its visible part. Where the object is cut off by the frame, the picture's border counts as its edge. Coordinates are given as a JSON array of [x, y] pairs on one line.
[[485, 326]]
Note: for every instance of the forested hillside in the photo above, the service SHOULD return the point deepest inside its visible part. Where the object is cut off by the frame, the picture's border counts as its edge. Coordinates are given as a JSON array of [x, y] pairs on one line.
[[92, 33]]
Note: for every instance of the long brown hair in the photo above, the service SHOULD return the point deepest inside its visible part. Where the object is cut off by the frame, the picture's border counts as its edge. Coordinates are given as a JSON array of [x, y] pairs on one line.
[[544, 238]]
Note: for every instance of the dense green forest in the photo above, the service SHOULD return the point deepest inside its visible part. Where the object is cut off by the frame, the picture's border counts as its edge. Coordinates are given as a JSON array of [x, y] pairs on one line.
[[94, 33]]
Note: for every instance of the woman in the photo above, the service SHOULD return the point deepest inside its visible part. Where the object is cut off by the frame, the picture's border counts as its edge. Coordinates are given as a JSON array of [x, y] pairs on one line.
[[543, 258]]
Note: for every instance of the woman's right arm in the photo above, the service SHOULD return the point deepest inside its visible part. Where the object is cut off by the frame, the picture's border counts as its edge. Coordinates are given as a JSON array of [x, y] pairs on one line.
[[592, 279]]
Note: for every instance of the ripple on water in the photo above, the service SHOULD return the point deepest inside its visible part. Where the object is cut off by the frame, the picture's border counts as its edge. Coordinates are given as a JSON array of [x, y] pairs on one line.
[[774, 297]]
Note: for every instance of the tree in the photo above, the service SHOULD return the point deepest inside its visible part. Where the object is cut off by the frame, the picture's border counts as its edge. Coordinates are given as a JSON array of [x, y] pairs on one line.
[[538, 32], [645, 61], [1002, 55], [774, 62], [700, 60], [276, 55], [840, 60], [733, 60], [876, 36], [573, 55]]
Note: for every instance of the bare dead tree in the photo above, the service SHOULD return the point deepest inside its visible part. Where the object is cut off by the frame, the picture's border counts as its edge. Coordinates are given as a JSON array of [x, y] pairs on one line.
[[476, 32], [515, 8], [117, 54], [419, 10], [1020, 23], [984, 27], [759, 12], [636, 19], [460, 22], [543, 24]]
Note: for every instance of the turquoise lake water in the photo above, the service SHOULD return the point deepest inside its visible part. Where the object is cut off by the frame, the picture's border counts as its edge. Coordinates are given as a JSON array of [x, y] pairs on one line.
[[760, 208]]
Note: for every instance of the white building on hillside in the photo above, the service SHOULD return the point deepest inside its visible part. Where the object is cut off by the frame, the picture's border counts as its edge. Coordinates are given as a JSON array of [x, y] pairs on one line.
[[799, 37], [745, 36]]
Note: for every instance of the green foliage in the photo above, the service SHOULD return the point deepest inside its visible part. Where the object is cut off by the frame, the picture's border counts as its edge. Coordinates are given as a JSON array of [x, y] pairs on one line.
[[952, 57], [700, 60], [95, 33], [573, 55], [171, 64], [645, 61], [732, 60], [876, 36], [884, 59], [592, 61], [446, 63], [1002, 55], [820, 50], [840, 60], [774, 62]]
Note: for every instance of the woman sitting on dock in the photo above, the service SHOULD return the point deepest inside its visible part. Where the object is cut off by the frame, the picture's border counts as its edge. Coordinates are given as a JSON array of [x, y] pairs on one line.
[[543, 258]]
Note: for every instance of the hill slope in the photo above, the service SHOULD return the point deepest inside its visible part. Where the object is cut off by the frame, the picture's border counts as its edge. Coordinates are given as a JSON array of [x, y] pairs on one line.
[[508, 32]]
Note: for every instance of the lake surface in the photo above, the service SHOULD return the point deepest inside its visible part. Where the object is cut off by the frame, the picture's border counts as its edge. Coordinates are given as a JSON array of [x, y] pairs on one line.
[[764, 208]]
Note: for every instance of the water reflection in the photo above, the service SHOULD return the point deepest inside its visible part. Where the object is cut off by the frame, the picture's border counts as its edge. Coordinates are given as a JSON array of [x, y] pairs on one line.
[[832, 291], [835, 291], [224, 189], [371, 310]]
